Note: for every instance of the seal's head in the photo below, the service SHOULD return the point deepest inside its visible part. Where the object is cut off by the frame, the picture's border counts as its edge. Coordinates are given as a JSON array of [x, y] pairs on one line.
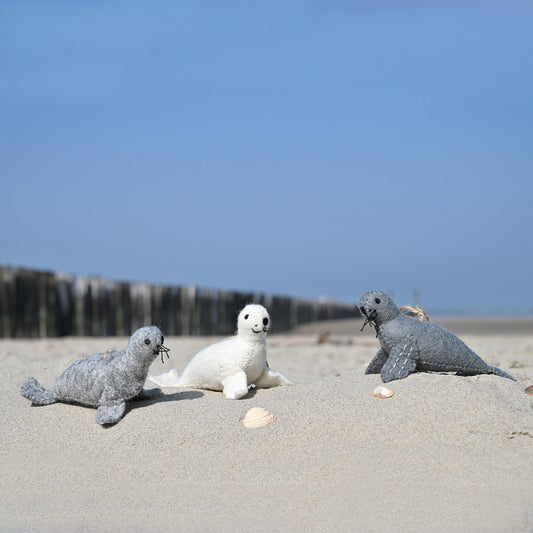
[[377, 308], [253, 322], [146, 343]]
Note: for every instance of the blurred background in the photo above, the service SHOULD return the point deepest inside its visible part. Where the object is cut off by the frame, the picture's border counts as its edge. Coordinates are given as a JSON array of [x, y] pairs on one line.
[[308, 149]]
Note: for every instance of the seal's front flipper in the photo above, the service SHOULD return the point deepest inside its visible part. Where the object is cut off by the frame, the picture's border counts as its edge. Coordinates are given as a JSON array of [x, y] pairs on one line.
[[235, 386], [375, 366], [269, 378], [147, 394], [401, 361], [110, 413]]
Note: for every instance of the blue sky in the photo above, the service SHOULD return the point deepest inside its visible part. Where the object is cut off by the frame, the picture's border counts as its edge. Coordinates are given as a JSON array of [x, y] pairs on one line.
[[302, 148]]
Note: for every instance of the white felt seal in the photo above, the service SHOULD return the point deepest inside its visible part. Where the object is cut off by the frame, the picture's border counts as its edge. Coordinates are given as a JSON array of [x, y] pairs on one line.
[[233, 365]]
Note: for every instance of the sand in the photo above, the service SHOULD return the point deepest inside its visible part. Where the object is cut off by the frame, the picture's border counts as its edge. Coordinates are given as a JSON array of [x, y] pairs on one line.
[[445, 453]]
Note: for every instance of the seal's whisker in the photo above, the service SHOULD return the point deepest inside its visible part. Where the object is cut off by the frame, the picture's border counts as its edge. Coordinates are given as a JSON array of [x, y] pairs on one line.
[[164, 350], [370, 319]]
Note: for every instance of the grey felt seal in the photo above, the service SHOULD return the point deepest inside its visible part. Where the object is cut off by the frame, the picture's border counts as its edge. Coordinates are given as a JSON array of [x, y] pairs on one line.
[[409, 345], [104, 380]]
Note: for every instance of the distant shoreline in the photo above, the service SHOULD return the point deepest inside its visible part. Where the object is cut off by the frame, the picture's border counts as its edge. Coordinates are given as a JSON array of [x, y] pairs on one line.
[[459, 325]]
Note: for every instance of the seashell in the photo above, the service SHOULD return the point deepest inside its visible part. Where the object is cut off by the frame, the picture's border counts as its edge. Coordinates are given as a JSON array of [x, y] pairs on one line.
[[324, 338], [415, 312], [382, 392], [529, 390], [257, 417]]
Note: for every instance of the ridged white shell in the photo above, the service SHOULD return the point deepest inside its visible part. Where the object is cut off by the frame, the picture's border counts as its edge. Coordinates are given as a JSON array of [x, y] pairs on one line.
[[257, 417], [382, 392]]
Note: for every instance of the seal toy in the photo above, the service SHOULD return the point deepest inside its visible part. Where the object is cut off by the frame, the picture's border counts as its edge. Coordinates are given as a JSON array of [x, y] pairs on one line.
[[233, 365], [409, 344], [104, 380]]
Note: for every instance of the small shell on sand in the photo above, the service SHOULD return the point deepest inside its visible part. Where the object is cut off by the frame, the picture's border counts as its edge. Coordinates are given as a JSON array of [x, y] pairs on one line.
[[324, 337], [382, 392], [529, 390], [257, 417]]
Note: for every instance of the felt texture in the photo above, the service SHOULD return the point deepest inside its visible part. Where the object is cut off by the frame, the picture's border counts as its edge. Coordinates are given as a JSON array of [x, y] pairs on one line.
[[409, 345], [233, 365], [104, 380]]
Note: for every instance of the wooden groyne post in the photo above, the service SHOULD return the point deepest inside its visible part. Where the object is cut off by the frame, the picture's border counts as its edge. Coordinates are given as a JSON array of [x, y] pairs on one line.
[[37, 304]]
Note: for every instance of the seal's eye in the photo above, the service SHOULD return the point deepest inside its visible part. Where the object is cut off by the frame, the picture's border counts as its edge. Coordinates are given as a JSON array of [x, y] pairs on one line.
[[265, 321], [377, 300], [246, 317], [146, 341]]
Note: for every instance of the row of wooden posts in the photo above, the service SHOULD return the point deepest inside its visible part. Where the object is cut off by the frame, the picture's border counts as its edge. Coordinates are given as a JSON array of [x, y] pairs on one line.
[[47, 304]]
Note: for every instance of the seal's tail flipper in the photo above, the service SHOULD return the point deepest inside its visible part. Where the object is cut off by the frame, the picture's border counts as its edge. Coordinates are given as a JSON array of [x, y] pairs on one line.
[[498, 372], [170, 379], [35, 392]]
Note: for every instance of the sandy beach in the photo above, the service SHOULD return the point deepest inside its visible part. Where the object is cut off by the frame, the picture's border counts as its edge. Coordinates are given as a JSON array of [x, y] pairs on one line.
[[445, 453]]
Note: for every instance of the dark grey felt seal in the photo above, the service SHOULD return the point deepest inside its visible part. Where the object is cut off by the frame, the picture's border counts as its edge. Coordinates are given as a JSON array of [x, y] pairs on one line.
[[104, 380], [409, 345]]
